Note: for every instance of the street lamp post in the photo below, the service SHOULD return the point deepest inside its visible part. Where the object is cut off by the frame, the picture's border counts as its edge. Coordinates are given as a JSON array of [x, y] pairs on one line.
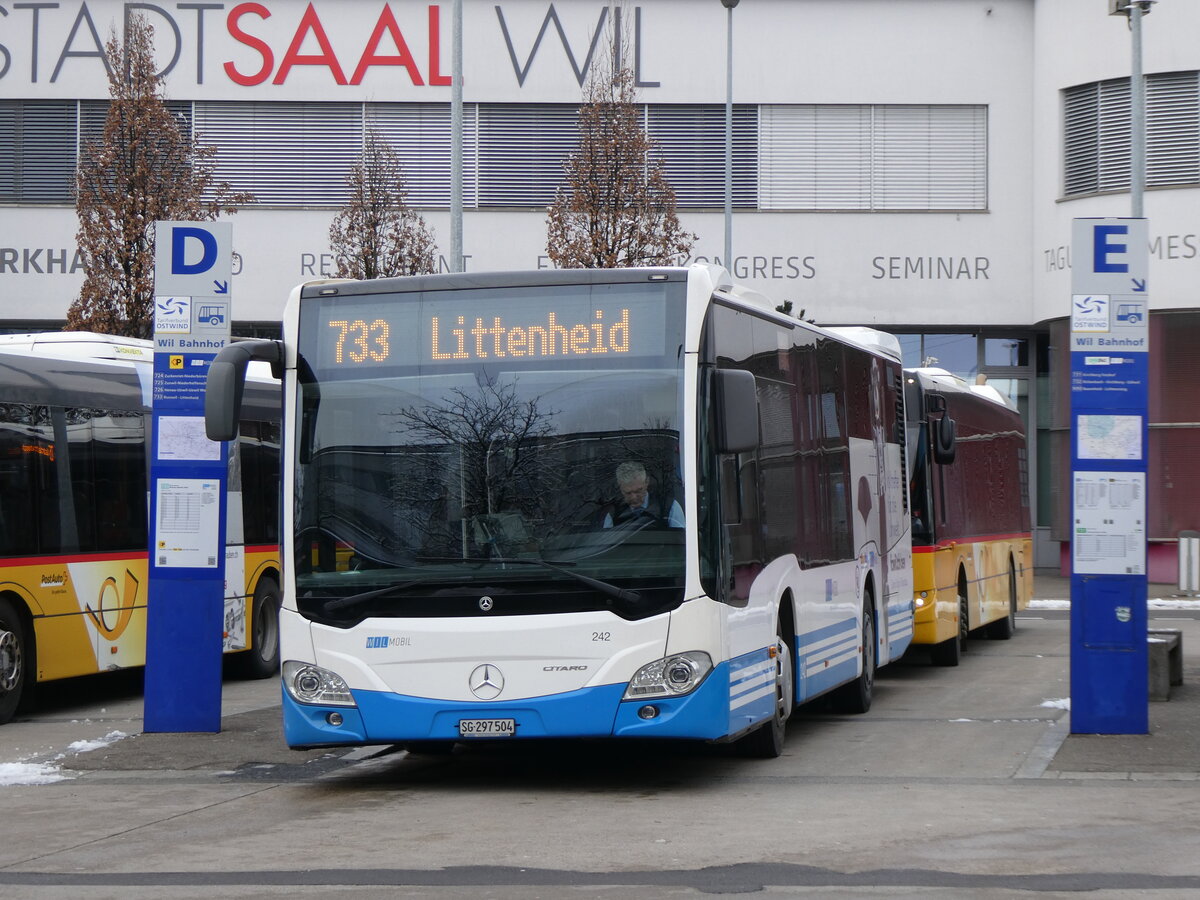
[[1134, 10], [728, 259], [456, 141], [1137, 113]]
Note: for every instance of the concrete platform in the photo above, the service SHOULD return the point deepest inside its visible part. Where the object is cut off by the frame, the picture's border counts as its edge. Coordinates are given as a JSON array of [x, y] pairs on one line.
[[1172, 748], [81, 740]]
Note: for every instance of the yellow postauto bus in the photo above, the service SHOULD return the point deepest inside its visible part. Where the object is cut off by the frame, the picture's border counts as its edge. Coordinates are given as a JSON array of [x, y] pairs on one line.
[[969, 498], [74, 447]]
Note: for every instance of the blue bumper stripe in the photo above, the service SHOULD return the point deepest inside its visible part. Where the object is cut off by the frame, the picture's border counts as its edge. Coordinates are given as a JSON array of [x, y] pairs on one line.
[[383, 718], [752, 689]]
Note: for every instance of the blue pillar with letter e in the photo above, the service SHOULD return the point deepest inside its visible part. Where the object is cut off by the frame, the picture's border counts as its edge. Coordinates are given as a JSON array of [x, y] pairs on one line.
[[1109, 371]]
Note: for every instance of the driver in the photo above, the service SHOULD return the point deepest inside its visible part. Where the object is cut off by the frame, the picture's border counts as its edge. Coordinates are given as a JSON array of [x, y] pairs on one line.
[[637, 500]]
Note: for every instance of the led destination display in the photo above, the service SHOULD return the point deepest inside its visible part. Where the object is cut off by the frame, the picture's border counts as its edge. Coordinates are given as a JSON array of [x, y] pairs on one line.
[[405, 330], [552, 339]]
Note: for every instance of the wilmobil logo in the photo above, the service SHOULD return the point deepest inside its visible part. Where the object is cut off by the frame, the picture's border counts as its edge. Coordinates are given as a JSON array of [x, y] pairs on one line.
[[382, 641]]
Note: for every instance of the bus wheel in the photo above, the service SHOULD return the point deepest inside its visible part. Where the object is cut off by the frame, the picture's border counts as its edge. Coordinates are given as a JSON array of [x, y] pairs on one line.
[[1003, 629], [949, 652], [855, 697], [766, 741], [12, 660], [262, 659]]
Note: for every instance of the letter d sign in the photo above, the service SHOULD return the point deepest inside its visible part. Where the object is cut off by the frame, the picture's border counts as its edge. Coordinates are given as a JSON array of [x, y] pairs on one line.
[[180, 237], [192, 259]]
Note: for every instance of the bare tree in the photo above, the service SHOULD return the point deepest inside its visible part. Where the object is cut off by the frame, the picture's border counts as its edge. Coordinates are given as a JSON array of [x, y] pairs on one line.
[[499, 437], [617, 207], [377, 234], [143, 169]]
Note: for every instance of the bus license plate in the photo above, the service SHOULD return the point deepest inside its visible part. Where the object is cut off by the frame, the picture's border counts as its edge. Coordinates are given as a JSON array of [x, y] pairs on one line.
[[487, 727]]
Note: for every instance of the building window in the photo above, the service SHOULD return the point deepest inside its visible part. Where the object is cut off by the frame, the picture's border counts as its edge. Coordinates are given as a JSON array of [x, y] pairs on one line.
[[290, 154], [1006, 351], [94, 113], [37, 151], [522, 148], [873, 157], [956, 353], [1096, 141], [420, 135], [285, 154], [690, 142]]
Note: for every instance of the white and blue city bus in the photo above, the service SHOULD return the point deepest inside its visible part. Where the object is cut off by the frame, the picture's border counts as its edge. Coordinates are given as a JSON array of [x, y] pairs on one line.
[[466, 561]]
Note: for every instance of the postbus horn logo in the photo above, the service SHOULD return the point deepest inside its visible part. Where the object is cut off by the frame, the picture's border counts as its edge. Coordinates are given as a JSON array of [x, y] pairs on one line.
[[114, 610]]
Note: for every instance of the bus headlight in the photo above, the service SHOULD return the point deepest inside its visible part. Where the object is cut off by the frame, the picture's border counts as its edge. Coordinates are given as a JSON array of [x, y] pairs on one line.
[[671, 676], [307, 683]]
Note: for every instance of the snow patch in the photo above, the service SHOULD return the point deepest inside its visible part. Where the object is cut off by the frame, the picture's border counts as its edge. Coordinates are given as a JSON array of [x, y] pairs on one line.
[[1152, 603], [1049, 604], [85, 746], [29, 773]]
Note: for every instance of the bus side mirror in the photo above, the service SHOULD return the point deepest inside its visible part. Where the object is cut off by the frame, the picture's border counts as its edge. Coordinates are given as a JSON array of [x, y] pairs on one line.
[[226, 381], [943, 439], [737, 411]]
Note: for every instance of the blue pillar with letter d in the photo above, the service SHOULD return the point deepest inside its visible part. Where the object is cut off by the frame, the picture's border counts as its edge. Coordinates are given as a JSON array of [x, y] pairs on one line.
[[186, 597]]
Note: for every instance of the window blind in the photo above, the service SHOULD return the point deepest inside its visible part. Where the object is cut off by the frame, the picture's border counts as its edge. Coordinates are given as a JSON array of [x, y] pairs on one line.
[[690, 142], [521, 152], [286, 154], [420, 135], [873, 157], [37, 151], [1096, 133]]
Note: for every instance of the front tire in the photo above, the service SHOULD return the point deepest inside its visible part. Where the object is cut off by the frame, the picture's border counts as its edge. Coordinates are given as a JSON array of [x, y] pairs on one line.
[[766, 741], [14, 660], [262, 659], [949, 653]]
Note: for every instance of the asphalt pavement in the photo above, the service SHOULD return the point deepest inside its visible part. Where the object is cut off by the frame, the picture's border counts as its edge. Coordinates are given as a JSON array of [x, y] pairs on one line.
[[958, 782]]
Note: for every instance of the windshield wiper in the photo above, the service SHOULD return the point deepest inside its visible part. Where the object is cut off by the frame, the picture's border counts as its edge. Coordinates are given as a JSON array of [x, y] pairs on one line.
[[336, 603], [609, 590]]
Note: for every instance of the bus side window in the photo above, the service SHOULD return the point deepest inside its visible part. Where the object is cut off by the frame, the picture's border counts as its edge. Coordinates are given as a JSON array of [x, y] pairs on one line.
[[117, 464], [22, 453], [258, 452], [44, 471]]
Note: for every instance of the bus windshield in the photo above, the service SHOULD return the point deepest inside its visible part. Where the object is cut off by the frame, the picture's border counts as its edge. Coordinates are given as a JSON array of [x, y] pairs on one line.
[[504, 451]]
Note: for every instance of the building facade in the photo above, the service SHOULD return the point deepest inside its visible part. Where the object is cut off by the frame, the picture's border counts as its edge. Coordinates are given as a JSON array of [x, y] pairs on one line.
[[912, 165]]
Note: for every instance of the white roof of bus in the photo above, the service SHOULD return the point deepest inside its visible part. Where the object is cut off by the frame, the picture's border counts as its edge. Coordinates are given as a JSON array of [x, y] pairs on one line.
[[948, 381], [871, 339], [79, 345], [91, 345]]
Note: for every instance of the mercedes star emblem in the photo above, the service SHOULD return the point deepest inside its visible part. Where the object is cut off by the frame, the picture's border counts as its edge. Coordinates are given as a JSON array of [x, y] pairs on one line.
[[486, 682]]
